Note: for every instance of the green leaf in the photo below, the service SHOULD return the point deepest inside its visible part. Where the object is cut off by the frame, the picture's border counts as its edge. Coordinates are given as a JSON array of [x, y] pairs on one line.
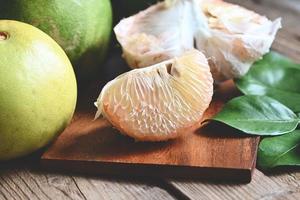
[[275, 76], [280, 150], [258, 115]]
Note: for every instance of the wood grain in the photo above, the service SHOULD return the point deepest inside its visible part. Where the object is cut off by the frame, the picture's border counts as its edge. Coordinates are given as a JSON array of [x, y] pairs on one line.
[[262, 187], [23, 183], [278, 185], [216, 151]]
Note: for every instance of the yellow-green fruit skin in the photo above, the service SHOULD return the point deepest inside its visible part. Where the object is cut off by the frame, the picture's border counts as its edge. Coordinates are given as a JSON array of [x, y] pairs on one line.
[[38, 89], [81, 27]]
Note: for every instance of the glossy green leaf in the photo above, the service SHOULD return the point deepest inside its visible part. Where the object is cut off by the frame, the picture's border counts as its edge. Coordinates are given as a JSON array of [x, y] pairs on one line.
[[280, 150], [275, 76], [258, 115]]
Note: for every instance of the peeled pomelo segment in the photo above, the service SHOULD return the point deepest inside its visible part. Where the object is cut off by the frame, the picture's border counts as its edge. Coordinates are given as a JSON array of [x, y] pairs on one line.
[[231, 37], [238, 38], [159, 33], [159, 102]]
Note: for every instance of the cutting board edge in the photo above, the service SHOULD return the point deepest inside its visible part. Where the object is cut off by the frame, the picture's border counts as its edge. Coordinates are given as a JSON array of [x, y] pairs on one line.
[[243, 175], [90, 145]]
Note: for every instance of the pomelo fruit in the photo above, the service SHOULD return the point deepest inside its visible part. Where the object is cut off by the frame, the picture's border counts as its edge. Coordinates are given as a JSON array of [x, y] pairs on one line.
[[231, 36], [81, 27], [37, 89], [159, 102]]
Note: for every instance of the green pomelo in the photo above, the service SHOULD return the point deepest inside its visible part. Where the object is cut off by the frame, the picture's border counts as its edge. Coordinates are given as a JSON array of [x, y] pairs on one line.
[[81, 27], [37, 89]]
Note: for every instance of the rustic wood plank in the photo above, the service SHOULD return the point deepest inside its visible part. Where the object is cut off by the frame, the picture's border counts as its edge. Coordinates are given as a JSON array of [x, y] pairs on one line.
[[288, 179], [33, 184], [24, 184], [119, 189], [209, 152], [283, 185], [289, 5], [21, 183], [261, 187]]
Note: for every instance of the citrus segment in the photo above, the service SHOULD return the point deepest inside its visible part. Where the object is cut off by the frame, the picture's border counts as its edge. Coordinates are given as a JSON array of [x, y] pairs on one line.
[[159, 102], [231, 37]]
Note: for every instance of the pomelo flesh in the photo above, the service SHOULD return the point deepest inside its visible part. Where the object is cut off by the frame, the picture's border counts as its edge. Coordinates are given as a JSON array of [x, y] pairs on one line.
[[159, 102]]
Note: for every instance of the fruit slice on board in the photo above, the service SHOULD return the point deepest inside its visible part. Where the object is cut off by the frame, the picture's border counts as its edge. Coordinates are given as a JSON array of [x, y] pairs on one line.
[[159, 102], [231, 37]]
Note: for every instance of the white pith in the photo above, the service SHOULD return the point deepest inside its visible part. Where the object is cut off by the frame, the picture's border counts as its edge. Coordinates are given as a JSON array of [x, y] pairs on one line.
[[232, 37]]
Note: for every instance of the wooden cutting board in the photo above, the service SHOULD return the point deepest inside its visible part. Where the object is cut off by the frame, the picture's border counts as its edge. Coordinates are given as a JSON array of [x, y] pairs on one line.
[[213, 151]]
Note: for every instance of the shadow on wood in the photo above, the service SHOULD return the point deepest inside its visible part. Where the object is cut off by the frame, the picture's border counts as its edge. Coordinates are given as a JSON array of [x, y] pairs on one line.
[[211, 152]]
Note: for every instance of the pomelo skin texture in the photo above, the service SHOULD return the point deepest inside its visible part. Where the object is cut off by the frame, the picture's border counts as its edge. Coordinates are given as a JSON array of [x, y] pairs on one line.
[[81, 27], [37, 89]]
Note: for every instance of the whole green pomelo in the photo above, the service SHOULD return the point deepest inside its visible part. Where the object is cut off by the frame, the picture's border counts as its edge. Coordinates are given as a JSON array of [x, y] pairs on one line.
[[38, 89], [81, 27]]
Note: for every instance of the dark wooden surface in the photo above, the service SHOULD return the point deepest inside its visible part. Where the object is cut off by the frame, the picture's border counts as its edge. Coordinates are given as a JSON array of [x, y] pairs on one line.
[[212, 151], [24, 179]]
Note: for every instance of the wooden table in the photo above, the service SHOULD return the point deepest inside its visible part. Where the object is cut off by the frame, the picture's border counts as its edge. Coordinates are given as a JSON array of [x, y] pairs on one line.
[[24, 179]]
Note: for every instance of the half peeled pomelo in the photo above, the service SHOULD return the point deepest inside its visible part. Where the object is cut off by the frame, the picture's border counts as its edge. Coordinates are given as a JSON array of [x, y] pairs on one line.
[[230, 36]]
